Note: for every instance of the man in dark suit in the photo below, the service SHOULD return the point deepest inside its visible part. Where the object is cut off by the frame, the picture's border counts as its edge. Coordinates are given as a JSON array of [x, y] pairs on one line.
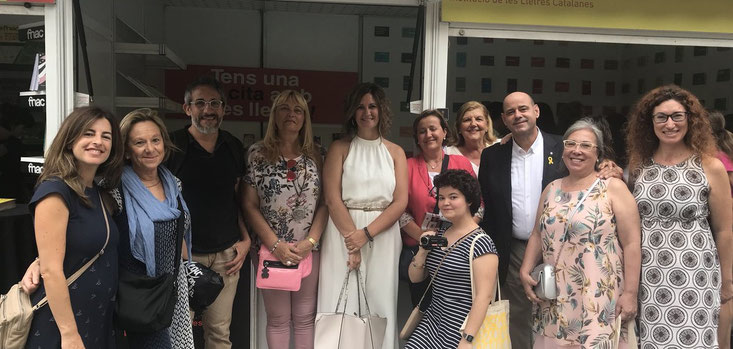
[[512, 176]]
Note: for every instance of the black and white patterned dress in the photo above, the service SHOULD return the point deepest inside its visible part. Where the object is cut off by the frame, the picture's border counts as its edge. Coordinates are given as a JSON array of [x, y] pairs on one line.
[[180, 334], [680, 272], [452, 300]]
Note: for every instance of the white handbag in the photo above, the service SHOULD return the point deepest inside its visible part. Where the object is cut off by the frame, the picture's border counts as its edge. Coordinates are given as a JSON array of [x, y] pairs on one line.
[[358, 331]]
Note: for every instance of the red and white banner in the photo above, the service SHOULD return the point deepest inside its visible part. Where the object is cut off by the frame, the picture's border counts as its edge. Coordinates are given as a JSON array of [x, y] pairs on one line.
[[250, 91]]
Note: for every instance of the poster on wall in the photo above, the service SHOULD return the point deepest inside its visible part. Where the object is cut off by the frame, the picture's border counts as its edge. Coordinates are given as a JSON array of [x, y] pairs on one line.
[[250, 91]]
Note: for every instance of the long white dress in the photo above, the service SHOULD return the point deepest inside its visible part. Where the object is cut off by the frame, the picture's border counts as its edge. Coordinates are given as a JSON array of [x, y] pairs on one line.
[[367, 185]]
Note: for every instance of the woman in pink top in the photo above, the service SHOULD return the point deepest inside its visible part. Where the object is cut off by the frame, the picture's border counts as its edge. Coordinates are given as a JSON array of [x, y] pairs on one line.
[[724, 141], [431, 133]]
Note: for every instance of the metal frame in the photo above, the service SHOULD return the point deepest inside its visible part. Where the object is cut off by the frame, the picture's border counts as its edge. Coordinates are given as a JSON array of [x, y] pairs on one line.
[[436, 43], [59, 66]]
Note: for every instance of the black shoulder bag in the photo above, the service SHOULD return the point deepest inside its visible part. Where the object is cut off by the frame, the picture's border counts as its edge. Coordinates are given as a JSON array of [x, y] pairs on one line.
[[145, 304]]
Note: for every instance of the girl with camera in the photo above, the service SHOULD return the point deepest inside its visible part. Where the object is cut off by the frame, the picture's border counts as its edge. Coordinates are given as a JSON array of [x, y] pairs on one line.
[[458, 200], [431, 132]]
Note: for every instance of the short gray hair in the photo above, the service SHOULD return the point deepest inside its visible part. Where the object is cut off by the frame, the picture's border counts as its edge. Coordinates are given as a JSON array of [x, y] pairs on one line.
[[588, 124]]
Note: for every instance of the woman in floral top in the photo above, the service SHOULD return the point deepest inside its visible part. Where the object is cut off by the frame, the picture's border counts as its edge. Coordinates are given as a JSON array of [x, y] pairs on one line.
[[284, 206], [596, 258]]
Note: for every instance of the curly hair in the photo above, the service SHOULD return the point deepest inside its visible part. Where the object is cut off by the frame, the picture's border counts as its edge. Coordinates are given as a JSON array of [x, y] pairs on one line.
[[489, 136], [352, 104], [463, 182], [641, 140], [443, 124]]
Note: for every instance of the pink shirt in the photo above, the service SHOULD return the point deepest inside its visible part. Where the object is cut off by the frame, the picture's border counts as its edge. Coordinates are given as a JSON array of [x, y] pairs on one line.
[[420, 201], [727, 164]]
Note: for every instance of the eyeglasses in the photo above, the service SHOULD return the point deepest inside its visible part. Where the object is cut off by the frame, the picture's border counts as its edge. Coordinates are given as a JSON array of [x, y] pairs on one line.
[[584, 146], [201, 104], [290, 165], [660, 118]]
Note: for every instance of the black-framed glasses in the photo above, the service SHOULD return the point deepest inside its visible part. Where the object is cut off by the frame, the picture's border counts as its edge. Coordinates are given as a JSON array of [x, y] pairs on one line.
[[660, 118], [584, 146], [201, 104]]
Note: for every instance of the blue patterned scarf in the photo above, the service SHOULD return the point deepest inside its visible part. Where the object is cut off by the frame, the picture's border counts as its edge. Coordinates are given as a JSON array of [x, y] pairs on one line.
[[143, 209]]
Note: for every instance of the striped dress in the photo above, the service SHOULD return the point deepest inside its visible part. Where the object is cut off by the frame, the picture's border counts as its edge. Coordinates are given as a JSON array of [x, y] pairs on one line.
[[440, 327]]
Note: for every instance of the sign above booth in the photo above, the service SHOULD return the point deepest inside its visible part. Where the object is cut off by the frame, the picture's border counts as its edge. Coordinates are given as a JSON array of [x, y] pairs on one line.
[[250, 91], [660, 15]]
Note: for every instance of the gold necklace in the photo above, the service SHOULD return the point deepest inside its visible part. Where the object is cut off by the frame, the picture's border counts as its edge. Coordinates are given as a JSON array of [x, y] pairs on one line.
[[152, 185], [432, 167]]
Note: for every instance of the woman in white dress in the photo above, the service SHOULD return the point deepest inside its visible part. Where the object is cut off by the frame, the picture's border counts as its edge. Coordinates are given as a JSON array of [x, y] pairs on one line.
[[365, 188], [474, 132]]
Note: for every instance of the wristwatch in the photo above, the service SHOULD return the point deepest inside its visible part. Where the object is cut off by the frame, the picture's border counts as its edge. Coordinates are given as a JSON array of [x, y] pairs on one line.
[[467, 337]]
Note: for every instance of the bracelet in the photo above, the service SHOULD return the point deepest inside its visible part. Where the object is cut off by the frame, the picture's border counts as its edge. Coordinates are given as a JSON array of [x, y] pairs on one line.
[[312, 241], [272, 250], [369, 236], [417, 266]]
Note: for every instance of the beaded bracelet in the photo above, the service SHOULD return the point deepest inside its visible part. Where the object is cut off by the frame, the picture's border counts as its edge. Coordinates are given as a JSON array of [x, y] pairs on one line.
[[369, 236], [272, 250]]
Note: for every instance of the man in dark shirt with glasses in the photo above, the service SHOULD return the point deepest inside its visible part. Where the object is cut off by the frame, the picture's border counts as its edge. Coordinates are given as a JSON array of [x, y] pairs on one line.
[[210, 166]]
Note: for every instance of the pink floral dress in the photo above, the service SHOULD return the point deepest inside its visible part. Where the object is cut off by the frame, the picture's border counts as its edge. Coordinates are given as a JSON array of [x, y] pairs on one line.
[[589, 272]]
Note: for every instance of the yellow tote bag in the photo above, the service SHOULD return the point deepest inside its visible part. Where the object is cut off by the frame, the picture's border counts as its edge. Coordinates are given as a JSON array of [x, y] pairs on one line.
[[494, 331]]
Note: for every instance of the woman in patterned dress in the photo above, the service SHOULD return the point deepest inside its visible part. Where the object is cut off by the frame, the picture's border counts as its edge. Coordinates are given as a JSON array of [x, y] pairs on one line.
[[283, 203], [595, 252], [458, 200], [684, 200], [148, 203]]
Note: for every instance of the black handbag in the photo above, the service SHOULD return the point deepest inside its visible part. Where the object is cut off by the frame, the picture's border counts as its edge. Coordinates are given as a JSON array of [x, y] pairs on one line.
[[204, 285], [146, 304]]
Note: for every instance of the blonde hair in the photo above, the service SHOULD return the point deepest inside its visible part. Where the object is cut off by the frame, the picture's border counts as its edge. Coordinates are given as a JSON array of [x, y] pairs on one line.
[[271, 142], [489, 137], [60, 161]]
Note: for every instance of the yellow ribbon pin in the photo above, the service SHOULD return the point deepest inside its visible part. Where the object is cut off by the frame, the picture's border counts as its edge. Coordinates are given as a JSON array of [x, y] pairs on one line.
[[549, 160]]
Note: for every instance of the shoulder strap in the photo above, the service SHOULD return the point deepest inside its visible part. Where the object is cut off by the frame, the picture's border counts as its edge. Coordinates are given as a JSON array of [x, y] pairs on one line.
[[443, 168], [88, 264], [470, 267], [570, 216], [432, 278]]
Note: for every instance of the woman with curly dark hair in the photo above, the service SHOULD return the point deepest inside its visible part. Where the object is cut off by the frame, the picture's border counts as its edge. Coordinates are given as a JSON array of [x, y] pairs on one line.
[[679, 187], [441, 326]]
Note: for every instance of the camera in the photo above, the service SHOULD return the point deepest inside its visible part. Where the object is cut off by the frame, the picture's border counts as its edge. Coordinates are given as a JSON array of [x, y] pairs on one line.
[[430, 242]]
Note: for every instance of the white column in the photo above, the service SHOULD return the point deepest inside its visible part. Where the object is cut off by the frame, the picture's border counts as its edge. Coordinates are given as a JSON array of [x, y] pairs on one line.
[[435, 68], [59, 66]]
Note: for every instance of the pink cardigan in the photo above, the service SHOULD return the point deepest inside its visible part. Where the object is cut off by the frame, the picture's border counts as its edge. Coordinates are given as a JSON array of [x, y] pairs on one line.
[[419, 199]]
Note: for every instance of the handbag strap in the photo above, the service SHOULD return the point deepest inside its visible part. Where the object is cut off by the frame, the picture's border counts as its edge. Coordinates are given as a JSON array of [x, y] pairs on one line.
[[88, 264], [432, 278], [570, 216], [443, 168], [630, 334], [470, 268], [180, 226]]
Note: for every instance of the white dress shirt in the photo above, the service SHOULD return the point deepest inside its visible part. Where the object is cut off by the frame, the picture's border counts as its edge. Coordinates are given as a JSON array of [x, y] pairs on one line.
[[527, 168]]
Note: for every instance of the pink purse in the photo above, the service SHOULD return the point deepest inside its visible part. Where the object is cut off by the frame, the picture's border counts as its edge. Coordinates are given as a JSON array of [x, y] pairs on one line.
[[274, 275]]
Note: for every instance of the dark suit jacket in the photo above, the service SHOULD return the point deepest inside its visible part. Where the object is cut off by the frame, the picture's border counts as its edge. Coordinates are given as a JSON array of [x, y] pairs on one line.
[[496, 190]]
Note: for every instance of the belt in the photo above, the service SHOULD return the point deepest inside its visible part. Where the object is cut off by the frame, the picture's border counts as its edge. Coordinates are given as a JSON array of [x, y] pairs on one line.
[[366, 208]]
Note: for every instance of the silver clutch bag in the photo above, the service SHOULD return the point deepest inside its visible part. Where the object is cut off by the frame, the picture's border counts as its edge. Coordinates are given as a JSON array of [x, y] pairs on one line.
[[546, 287]]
